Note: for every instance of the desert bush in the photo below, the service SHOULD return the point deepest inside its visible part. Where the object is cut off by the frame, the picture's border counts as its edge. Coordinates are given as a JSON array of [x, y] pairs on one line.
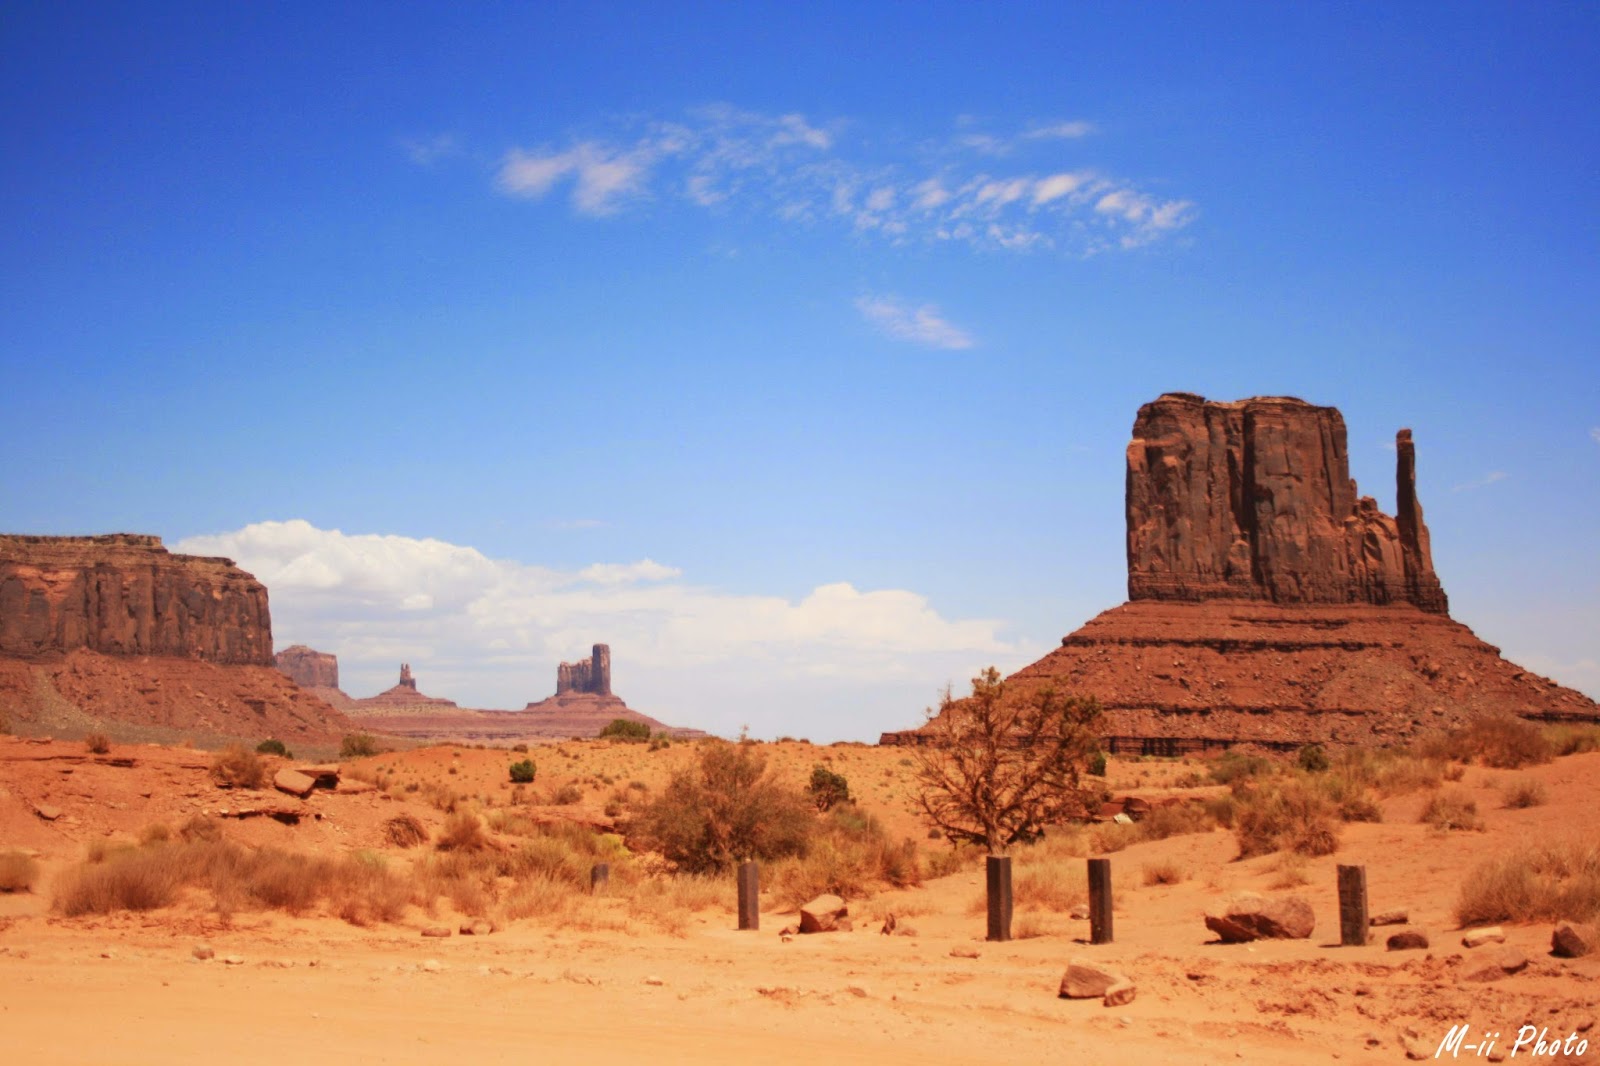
[[828, 788], [659, 742], [1501, 740], [155, 833], [1573, 739], [405, 831], [1223, 809], [1285, 815], [1096, 766], [141, 879], [1176, 819], [1047, 886], [97, 743], [1540, 881], [1523, 792], [724, 809], [274, 747], [946, 861], [626, 730], [1233, 766], [566, 795], [522, 773], [1348, 794], [1452, 809], [1109, 837], [1290, 870], [358, 745], [238, 767], [523, 748], [199, 829], [462, 832], [1312, 759], [1164, 872], [850, 855], [18, 872]]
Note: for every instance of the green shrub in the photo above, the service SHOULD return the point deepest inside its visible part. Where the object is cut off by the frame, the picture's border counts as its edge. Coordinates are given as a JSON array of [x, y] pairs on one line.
[[522, 773], [1097, 764], [274, 747], [625, 729], [725, 809], [1312, 759], [828, 789], [358, 745]]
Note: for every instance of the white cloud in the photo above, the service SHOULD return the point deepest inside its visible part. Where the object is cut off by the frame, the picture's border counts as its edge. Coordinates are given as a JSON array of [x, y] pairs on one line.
[[838, 662], [799, 171], [1594, 434], [921, 325], [424, 151], [1483, 482]]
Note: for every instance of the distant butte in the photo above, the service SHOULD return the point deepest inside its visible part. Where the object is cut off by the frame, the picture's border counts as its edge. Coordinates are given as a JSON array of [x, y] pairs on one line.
[[1272, 604]]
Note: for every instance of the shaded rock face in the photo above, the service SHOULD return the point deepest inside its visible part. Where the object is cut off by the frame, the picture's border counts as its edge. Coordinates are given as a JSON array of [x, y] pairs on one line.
[[591, 676], [1252, 500], [309, 668], [125, 594]]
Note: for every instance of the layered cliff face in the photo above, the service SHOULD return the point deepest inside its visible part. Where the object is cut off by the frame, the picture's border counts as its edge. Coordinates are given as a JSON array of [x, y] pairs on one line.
[[116, 633], [125, 594], [1271, 604], [591, 675], [1253, 500]]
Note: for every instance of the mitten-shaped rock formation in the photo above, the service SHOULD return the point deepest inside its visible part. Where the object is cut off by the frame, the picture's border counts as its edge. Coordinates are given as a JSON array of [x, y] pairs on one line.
[[1253, 500], [1271, 604], [125, 594], [591, 675]]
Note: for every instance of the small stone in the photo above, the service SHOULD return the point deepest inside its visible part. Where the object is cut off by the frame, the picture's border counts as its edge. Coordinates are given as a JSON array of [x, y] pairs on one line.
[[203, 952], [1573, 941], [233, 960], [1079, 912], [47, 812], [1395, 917], [1120, 994], [963, 953], [432, 966], [108, 954], [436, 931], [1476, 938], [654, 980], [857, 991], [1410, 940]]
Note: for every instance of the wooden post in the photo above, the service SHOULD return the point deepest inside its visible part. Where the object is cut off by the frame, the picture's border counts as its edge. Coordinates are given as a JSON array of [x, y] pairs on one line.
[[599, 875], [1352, 906], [749, 896], [1099, 901], [998, 874]]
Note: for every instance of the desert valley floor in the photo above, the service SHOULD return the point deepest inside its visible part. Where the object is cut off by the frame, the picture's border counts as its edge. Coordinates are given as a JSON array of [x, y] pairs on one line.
[[604, 979]]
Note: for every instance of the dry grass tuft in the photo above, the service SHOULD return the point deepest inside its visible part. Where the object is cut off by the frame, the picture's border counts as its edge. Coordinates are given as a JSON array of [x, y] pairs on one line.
[[1285, 815], [1164, 872], [462, 832], [97, 743], [1501, 740], [1452, 809], [238, 767], [1524, 792], [1544, 881], [1290, 869], [405, 831], [18, 872], [1573, 739]]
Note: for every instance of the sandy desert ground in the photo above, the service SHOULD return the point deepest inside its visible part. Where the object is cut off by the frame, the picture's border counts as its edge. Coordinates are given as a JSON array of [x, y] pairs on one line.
[[602, 984]]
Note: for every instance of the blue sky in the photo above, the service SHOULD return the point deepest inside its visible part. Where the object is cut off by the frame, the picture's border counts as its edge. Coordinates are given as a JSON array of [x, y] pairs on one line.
[[791, 349]]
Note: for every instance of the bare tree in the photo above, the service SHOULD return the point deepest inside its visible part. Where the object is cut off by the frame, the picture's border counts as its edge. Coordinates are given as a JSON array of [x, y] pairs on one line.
[[995, 767]]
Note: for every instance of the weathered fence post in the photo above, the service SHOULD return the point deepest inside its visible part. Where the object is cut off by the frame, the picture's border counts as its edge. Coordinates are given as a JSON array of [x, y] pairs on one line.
[[998, 875], [1099, 901], [1352, 906], [749, 896], [599, 875]]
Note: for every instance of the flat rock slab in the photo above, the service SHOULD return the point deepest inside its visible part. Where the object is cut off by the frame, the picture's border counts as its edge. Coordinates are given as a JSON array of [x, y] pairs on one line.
[[1248, 916], [823, 915], [1120, 993], [1493, 965], [1396, 917], [1571, 940], [1085, 979], [294, 783], [1410, 940], [47, 812], [1476, 938]]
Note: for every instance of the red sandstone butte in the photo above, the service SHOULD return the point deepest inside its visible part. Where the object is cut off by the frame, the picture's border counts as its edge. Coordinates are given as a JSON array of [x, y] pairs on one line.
[[1271, 603], [116, 632]]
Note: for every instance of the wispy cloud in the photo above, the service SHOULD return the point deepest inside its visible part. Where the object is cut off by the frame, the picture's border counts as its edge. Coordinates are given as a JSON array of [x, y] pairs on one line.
[[424, 151], [1594, 434], [1483, 482], [806, 172], [921, 325]]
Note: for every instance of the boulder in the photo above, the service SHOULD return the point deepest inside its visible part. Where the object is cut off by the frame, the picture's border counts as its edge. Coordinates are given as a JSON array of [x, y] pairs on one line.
[[1120, 993], [822, 914], [1410, 940], [47, 812], [1476, 938], [1086, 979], [1247, 916], [293, 782], [1493, 965], [1572, 941]]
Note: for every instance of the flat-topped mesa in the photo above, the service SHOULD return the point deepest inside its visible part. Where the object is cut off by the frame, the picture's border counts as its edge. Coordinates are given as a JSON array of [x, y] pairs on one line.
[[1253, 500], [308, 667], [591, 675], [125, 594]]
